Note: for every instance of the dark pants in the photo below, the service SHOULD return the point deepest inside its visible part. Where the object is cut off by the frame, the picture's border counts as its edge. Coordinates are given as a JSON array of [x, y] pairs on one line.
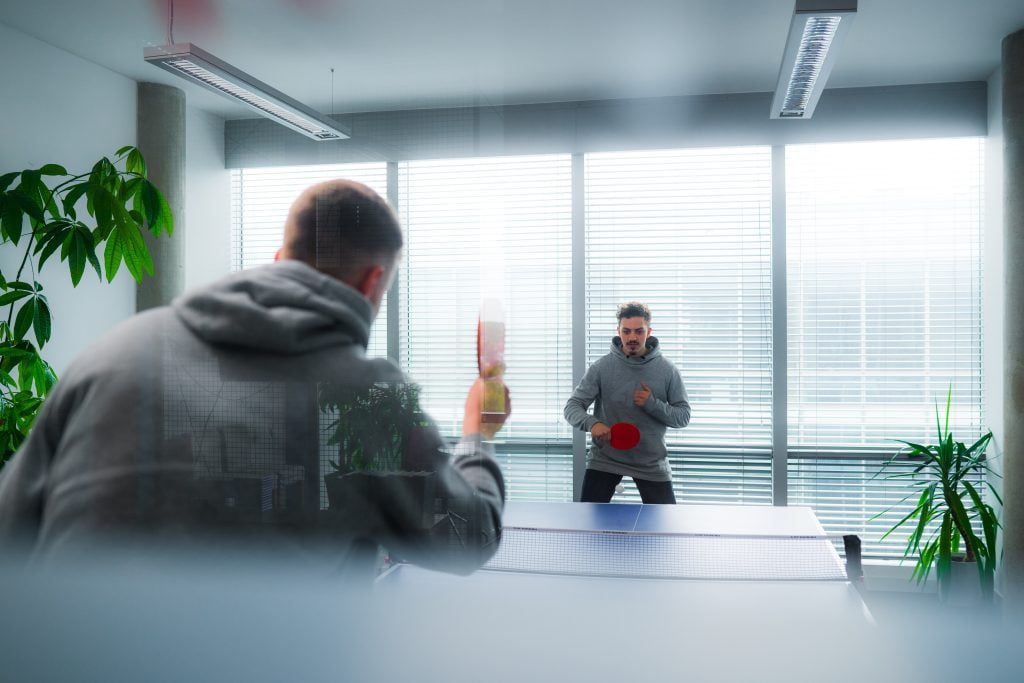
[[598, 487]]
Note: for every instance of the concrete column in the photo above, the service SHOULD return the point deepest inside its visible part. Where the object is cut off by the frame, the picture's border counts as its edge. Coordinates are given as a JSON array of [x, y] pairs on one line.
[[1013, 358], [161, 139]]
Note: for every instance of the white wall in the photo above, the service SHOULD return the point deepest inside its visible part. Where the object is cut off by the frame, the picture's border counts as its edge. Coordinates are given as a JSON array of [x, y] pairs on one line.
[[207, 206], [931, 110], [58, 108]]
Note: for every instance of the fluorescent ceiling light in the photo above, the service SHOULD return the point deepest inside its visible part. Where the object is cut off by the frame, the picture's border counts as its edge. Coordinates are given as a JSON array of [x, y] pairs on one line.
[[815, 34], [188, 61]]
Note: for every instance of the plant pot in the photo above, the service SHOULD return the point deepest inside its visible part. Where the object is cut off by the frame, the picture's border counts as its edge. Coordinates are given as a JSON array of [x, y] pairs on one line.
[[963, 586], [383, 501]]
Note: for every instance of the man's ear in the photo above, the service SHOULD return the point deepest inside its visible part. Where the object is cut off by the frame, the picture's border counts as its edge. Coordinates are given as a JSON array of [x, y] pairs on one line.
[[368, 281]]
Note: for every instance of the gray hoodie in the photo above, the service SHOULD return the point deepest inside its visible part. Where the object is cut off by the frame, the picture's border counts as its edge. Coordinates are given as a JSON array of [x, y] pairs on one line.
[[204, 420], [609, 384]]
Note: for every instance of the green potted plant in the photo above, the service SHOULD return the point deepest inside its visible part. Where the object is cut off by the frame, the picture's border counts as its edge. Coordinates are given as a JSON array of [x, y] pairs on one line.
[[954, 529], [46, 211], [377, 430]]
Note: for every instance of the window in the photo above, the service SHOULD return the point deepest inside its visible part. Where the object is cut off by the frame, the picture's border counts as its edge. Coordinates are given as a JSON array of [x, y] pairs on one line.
[[260, 198], [883, 300], [688, 233], [884, 315], [493, 227]]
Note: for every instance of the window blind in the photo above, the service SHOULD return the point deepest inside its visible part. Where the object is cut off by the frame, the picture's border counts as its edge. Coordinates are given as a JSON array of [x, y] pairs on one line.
[[488, 227], [688, 233], [260, 199], [858, 496], [884, 286], [536, 471]]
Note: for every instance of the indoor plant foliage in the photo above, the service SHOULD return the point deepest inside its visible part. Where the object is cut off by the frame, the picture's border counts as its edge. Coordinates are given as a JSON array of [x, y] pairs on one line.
[[372, 425], [947, 496], [40, 215], [381, 474]]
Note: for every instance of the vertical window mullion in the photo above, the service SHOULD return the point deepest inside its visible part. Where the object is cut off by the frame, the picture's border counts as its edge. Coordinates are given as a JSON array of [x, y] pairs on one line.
[[579, 311], [780, 487], [394, 293]]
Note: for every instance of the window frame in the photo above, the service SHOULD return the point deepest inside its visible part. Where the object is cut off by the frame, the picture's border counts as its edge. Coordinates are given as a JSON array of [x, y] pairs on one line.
[[782, 455]]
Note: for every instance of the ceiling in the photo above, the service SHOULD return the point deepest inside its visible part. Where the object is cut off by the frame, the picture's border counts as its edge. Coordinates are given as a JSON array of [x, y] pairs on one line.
[[408, 54]]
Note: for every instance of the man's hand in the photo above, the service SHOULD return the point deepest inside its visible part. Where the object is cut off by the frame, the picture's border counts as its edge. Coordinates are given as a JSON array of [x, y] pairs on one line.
[[641, 395], [472, 422], [601, 432]]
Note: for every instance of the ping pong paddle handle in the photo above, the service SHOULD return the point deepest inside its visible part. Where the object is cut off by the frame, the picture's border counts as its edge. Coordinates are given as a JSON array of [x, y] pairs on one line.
[[494, 406]]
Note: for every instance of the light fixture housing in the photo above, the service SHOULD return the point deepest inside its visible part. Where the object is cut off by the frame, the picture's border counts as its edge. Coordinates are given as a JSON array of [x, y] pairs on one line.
[[196, 65], [815, 34]]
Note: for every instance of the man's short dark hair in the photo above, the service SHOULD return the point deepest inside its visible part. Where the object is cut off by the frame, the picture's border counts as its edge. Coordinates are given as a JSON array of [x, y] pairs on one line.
[[343, 226], [634, 309]]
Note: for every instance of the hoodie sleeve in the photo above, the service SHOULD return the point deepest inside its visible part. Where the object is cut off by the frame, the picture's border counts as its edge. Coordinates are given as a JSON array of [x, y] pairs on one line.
[[459, 528], [583, 396], [675, 412], [23, 481]]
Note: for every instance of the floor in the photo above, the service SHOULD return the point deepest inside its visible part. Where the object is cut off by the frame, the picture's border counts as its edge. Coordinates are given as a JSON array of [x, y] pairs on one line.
[[904, 608]]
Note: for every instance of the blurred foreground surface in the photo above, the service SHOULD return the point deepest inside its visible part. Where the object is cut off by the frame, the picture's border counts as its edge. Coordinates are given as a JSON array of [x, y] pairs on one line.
[[233, 615]]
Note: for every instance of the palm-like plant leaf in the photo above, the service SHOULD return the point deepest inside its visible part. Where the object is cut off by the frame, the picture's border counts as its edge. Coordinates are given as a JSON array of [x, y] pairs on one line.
[[948, 495], [45, 199]]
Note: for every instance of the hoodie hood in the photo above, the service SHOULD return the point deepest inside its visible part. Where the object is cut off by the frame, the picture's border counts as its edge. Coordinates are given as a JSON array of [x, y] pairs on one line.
[[652, 352], [284, 307]]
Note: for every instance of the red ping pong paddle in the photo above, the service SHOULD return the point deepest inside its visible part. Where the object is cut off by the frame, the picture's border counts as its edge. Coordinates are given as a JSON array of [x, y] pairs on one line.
[[490, 339], [624, 436]]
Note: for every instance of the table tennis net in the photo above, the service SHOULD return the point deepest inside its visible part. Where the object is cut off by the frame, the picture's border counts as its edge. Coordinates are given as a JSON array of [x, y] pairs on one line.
[[637, 554]]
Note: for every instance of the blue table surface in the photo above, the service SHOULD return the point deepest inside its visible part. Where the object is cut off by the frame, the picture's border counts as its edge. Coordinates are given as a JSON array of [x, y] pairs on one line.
[[701, 519], [577, 516], [744, 601]]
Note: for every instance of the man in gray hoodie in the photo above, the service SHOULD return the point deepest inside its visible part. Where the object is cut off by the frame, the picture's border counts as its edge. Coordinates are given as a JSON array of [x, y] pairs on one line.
[[215, 419], [632, 384]]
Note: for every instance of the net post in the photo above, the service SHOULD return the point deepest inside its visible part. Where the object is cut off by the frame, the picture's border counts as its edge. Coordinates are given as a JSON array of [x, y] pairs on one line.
[[854, 568]]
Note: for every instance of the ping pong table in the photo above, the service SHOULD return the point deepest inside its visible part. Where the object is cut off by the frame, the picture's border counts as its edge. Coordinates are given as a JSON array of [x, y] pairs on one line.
[[260, 618], [749, 561]]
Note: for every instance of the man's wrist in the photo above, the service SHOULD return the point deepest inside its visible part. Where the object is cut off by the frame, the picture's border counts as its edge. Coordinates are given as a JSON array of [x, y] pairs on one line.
[[469, 444]]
